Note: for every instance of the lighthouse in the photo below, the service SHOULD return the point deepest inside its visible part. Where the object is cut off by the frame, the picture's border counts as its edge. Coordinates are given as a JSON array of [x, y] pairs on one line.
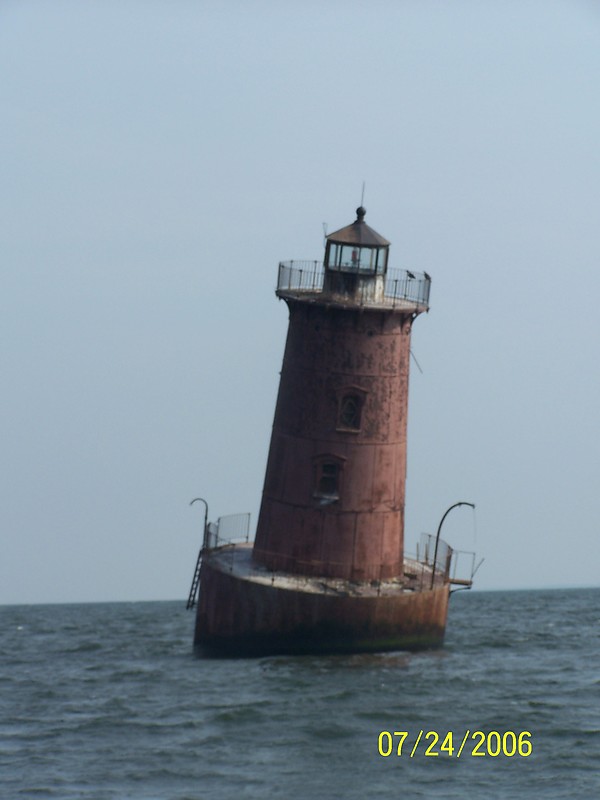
[[327, 571]]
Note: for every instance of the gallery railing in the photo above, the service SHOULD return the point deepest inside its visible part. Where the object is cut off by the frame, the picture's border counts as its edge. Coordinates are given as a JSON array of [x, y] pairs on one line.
[[236, 557], [228, 540], [233, 528], [400, 286]]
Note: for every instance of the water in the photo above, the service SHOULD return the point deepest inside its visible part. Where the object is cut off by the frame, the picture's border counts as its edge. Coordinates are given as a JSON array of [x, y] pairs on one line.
[[107, 701]]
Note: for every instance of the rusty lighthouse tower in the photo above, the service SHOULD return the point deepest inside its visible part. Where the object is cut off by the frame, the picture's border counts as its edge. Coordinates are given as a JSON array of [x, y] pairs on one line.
[[333, 500], [327, 571]]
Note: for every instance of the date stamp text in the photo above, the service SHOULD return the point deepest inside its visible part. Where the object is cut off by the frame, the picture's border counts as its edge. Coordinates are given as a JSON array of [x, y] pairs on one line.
[[455, 745]]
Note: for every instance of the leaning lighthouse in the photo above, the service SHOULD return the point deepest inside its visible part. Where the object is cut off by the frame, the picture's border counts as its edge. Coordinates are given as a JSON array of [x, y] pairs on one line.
[[327, 570]]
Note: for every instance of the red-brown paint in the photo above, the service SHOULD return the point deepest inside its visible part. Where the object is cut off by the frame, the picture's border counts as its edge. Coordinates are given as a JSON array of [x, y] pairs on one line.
[[360, 536], [346, 335]]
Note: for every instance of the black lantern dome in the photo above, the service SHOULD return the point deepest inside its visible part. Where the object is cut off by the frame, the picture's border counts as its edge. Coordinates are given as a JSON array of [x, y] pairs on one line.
[[357, 248]]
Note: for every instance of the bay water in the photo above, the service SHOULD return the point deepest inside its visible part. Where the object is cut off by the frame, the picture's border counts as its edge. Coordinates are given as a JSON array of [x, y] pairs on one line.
[[109, 702]]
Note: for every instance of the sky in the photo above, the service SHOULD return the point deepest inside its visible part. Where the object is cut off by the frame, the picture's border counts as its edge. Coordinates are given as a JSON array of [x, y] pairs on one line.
[[160, 158]]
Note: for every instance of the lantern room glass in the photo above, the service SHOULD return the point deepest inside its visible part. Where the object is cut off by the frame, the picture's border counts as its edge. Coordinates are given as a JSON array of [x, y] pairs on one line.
[[352, 258]]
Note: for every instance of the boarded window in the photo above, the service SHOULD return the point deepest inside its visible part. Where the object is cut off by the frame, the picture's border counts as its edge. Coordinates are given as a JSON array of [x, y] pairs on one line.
[[350, 412]]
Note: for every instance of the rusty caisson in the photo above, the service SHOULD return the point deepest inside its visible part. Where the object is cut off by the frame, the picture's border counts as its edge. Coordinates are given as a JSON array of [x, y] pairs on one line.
[[327, 571]]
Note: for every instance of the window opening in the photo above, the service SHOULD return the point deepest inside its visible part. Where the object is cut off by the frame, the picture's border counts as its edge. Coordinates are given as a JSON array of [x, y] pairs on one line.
[[327, 484]]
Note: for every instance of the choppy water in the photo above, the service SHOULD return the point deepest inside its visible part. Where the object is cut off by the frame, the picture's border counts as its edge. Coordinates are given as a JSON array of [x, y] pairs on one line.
[[107, 701]]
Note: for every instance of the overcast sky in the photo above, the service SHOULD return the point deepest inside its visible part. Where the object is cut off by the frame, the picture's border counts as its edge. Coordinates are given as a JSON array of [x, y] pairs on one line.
[[159, 159]]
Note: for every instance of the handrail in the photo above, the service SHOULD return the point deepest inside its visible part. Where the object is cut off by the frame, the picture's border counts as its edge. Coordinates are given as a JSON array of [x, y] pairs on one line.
[[417, 570], [308, 277], [437, 536]]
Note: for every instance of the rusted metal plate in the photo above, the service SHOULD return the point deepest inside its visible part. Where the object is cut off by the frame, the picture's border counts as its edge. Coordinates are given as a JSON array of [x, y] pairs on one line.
[[360, 532], [238, 616]]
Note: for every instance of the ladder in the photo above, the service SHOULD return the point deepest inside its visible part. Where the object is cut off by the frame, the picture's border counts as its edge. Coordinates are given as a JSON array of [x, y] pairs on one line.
[[193, 595]]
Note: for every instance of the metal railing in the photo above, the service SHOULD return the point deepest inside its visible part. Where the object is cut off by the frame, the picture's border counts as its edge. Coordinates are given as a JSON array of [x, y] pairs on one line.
[[463, 568], [426, 551], [228, 530], [231, 529], [225, 539], [404, 285], [456, 566], [400, 286], [416, 575], [300, 276]]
